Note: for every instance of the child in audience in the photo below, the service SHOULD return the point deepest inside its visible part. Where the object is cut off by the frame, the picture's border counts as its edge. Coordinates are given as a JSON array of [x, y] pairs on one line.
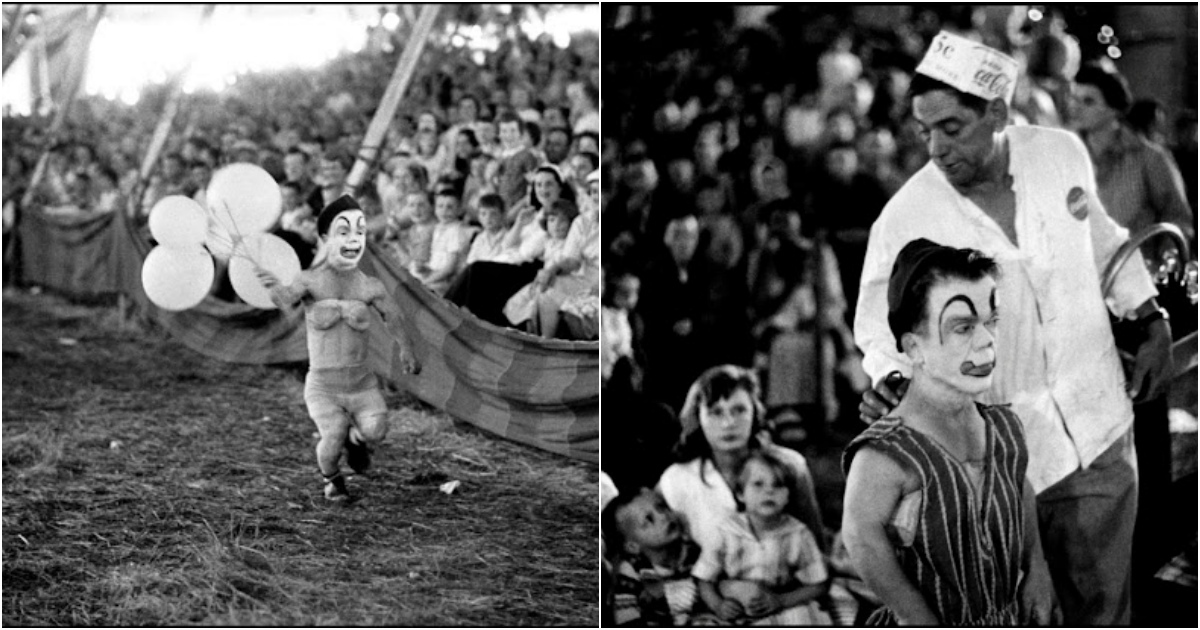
[[413, 229], [620, 300], [488, 246], [766, 565], [654, 560], [451, 240], [522, 306]]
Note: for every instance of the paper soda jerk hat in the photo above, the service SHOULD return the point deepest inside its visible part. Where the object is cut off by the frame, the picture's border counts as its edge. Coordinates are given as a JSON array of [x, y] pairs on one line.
[[970, 67]]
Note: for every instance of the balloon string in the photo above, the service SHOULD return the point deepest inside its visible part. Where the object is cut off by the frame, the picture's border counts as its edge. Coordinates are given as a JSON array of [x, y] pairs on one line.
[[238, 239]]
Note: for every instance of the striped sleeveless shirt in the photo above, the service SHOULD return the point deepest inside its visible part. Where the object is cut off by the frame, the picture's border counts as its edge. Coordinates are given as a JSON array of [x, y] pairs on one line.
[[965, 555]]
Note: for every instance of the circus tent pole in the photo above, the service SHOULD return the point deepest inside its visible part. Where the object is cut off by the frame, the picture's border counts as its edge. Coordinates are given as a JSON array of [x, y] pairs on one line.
[[79, 68], [12, 49], [163, 130], [373, 139]]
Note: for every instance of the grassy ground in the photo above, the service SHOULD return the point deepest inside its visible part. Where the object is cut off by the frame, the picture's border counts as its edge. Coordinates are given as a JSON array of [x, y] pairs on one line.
[[145, 484]]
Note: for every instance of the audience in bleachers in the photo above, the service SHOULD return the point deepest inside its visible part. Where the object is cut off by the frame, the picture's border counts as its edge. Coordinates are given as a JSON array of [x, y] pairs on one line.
[[469, 127]]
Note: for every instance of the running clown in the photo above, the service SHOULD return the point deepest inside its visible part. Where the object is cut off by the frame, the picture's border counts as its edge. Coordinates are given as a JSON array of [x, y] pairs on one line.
[[1025, 196], [341, 391]]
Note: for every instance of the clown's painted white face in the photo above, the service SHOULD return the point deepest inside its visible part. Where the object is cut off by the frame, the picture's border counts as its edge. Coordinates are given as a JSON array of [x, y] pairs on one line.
[[957, 344], [346, 240]]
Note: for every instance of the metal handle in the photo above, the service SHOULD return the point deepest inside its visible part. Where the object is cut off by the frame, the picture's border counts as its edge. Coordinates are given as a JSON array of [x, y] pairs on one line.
[[1134, 244]]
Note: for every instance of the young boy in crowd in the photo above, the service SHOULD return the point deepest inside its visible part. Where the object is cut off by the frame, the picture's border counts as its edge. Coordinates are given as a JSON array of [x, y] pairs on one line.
[[451, 240], [488, 246], [653, 581]]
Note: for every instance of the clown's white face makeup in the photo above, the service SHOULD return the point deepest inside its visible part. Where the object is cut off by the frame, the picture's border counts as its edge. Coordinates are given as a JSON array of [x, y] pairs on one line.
[[957, 345], [346, 240]]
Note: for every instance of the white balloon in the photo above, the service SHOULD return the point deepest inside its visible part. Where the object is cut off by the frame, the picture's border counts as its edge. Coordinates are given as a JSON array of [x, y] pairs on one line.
[[177, 220], [271, 253], [244, 199], [177, 278]]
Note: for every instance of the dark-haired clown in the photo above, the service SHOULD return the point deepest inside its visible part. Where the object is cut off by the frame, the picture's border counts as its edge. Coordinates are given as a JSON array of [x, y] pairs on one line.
[[341, 391], [1026, 197]]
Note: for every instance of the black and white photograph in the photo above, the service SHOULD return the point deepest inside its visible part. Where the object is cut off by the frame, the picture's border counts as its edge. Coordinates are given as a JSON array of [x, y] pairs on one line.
[[898, 317], [301, 315]]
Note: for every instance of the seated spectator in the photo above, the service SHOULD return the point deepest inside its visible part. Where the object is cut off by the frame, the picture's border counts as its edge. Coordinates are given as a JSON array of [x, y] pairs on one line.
[[489, 243], [331, 180], [107, 195], [410, 237], [766, 566], [515, 161], [587, 142], [796, 291], [577, 296], [522, 307], [722, 426], [199, 176], [578, 167], [478, 183], [557, 146], [653, 583], [299, 222], [619, 369], [451, 240], [428, 152], [296, 170], [466, 147], [486, 133], [171, 179]]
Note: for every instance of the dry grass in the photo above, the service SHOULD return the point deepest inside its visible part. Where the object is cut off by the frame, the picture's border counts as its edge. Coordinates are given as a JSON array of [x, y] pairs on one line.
[[147, 485]]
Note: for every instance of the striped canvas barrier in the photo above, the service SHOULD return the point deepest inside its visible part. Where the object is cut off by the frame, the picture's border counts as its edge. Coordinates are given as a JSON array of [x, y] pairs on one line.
[[544, 393]]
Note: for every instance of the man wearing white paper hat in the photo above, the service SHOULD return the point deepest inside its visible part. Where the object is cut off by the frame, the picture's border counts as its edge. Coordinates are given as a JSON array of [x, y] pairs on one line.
[[1026, 196]]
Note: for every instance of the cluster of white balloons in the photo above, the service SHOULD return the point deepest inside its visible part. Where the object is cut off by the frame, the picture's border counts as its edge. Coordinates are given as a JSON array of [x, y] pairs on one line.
[[243, 203]]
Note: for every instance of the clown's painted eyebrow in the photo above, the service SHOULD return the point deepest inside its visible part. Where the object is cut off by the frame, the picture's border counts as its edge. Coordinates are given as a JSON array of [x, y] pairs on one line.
[[970, 305], [958, 298], [343, 219]]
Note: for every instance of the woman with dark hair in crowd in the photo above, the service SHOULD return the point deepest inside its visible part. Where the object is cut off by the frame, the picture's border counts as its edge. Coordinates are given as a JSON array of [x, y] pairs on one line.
[[722, 424], [484, 287], [466, 147]]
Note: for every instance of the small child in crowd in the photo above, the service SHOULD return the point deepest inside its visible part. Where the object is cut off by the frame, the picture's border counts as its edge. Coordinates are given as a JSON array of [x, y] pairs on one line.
[[522, 306], [451, 240], [617, 337], [767, 566], [413, 231], [653, 581], [488, 246]]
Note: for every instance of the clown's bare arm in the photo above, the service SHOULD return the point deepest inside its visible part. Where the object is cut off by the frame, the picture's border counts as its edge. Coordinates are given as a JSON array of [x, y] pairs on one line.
[[392, 317], [874, 487]]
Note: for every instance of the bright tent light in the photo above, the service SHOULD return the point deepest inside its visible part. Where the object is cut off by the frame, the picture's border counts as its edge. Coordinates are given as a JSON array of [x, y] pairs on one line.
[[128, 54]]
